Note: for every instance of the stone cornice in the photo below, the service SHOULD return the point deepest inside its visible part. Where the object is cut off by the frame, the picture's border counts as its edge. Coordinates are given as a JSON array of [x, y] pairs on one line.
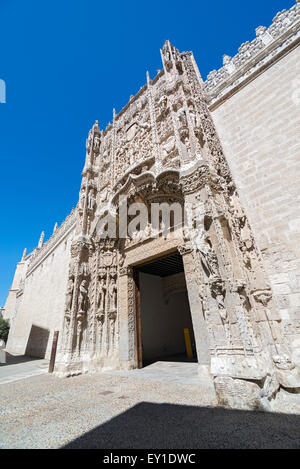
[[254, 57]]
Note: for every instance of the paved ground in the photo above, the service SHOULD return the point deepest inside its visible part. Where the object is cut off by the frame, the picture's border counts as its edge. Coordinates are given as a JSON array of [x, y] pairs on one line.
[[182, 373], [109, 411], [20, 367]]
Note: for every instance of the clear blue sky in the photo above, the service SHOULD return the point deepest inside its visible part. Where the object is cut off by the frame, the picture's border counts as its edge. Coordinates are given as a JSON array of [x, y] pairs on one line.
[[67, 63]]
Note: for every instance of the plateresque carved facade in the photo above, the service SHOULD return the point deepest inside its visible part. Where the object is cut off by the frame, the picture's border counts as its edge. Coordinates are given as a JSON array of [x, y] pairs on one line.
[[165, 146]]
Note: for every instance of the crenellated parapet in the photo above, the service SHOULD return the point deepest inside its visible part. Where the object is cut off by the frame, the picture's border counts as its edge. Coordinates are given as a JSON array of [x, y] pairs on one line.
[[39, 254], [253, 57]]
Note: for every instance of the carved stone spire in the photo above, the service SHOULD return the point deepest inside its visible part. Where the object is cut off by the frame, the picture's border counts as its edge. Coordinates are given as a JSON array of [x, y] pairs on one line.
[[41, 240], [155, 140], [24, 254]]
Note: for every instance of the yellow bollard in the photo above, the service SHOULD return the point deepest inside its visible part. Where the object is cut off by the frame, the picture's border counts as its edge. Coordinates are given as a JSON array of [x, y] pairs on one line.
[[188, 345]]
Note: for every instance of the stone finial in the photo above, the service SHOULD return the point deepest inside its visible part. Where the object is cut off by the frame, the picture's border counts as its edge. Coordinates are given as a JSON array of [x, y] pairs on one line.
[[55, 227], [260, 30], [96, 126], [263, 34], [227, 63], [24, 254], [226, 59], [41, 240]]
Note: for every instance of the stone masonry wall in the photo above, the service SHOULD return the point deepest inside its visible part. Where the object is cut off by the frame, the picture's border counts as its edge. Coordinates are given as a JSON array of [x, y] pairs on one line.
[[259, 129], [14, 291], [40, 312]]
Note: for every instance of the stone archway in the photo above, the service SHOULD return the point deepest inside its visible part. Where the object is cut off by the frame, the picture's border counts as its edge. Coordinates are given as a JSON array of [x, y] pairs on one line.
[[165, 188], [155, 249], [234, 319]]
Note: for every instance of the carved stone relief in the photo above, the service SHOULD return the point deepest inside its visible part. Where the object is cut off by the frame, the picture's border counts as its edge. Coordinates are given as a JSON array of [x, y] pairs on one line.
[[169, 123]]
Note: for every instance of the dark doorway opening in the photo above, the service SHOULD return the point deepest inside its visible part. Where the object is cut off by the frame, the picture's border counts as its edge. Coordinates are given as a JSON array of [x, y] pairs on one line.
[[37, 342], [163, 312]]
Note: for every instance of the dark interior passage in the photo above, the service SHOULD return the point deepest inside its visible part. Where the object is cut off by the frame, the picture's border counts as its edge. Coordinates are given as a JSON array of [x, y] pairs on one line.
[[164, 311]]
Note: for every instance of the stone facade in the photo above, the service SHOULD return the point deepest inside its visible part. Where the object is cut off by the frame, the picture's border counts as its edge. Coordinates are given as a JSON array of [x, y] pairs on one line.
[[255, 108], [36, 299], [185, 141]]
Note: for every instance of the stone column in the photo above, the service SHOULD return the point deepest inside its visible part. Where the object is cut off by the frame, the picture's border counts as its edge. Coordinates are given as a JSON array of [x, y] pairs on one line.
[[199, 325], [126, 301]]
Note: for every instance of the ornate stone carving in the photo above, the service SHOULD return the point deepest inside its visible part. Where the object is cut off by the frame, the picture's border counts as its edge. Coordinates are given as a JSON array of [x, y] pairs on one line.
[[83, 298], [262, 296], [283, 362], [91, 200], [252, 56], [163, 104], [101, 295], [185, 248], [163, 147], [82, 197], [70, 290], [195, 180], [112, 294]]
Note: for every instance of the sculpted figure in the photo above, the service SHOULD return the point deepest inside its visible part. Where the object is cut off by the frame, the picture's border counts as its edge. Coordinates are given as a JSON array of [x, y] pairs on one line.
[[103, 196], [114, 257], [182, 118], [112, 293], [223, 314], [96, 143], [186, 141], [222, 308], [194, 116], [91, 199], [235, 206], [89, 140], [219, 292], [208, 256], [82, 298], [169, 145], [200, 239], [212, 262], [166, 53], [101, 295], [70, 289], [163, 103], [82, 196]]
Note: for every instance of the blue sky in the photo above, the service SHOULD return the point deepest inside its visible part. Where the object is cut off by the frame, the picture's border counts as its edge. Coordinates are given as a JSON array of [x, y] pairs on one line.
[[67, 63]]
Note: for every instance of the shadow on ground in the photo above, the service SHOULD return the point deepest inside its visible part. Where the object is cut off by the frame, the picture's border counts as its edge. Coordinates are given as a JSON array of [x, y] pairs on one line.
[[17, 359], [168, 426]]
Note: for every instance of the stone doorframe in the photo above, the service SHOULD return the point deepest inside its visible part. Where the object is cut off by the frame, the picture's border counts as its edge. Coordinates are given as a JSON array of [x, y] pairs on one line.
[[142, 253]]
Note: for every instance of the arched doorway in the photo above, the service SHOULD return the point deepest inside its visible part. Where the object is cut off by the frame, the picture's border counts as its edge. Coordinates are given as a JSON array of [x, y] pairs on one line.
[[164, 327]]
